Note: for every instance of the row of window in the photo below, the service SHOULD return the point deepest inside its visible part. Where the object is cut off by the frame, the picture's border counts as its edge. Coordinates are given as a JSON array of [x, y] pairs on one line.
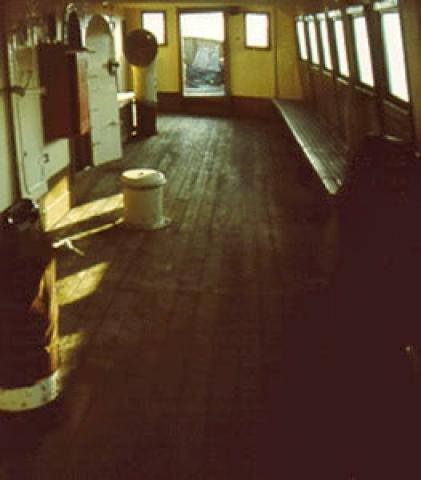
[[315, 32], [256, 28]]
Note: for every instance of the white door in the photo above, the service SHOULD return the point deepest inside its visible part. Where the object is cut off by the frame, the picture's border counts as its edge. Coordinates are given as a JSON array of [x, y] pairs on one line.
[[103, 106], [27, 116]]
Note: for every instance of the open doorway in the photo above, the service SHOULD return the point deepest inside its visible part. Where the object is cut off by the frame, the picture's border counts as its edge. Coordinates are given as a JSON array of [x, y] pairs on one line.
[[202, 40]]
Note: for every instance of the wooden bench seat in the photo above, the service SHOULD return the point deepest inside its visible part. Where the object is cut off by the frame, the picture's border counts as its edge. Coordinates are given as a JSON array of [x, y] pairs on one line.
[[320, 144]]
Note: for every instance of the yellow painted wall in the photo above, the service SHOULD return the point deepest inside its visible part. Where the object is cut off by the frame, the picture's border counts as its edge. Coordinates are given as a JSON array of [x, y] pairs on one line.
[[252, 70], [252, 73], [168, 55]]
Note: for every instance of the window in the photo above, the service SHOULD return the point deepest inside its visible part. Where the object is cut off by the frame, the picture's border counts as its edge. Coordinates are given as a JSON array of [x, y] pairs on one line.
[[155, 23], [324, 35], [257, 33], [302, 41], [394, 55], [343, 65], [312, 34], [362, 51]]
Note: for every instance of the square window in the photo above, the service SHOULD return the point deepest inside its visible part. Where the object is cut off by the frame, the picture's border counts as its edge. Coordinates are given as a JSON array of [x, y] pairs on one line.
[[155, 23], [257, 34]]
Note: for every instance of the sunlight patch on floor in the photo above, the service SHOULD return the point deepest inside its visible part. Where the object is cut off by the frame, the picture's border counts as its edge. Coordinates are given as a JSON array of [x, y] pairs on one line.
[[68, 241], [79, 285], [84, 212], [69, 346]]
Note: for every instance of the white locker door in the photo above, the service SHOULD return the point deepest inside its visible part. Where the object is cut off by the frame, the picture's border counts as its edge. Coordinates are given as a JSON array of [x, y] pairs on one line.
[[27, 117], [31, 159], [103, 105]]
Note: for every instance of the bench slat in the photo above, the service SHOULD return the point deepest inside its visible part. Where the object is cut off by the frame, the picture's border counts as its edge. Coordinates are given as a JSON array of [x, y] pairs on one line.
[[323, 148]]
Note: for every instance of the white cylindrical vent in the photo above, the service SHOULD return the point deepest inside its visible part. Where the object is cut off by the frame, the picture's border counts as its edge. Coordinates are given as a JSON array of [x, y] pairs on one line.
[[143, 198]]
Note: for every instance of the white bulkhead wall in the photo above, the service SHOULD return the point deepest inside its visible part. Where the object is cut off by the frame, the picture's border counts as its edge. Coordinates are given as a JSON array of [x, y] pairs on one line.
[[27, 162], [7, 173], [27, 120]]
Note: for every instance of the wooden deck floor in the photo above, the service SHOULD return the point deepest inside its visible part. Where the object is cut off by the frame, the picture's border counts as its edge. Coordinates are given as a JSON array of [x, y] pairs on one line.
[[192, 352]]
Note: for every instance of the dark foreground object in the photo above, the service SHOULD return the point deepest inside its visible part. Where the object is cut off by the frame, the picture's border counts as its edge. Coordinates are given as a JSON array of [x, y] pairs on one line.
[[28, 312], [375, 298]]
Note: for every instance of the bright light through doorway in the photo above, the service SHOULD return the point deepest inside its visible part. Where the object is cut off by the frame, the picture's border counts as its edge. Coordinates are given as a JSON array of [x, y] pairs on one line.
[[203, 36], [209, 25]]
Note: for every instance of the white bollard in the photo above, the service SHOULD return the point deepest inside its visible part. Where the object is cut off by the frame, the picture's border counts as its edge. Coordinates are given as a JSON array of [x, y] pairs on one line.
[[143, 199]]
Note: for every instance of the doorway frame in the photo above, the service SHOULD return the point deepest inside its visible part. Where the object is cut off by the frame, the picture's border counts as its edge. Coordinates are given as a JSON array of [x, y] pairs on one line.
[[222, 99]]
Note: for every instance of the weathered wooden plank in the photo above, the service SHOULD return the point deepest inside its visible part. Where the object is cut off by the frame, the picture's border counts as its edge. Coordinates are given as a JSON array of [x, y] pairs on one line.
[[318, 141], [180, 366]]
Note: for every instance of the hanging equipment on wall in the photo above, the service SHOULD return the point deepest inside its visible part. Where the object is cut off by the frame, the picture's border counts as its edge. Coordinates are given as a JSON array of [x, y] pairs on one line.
[[140, 50]]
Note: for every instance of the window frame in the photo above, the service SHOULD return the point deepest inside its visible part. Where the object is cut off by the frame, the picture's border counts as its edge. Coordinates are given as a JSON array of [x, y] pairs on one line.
[[356, 13], [164, 19], [312, 19], [302, 47], [268, 31], [337, 16], [322, 18], [384, 8]]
